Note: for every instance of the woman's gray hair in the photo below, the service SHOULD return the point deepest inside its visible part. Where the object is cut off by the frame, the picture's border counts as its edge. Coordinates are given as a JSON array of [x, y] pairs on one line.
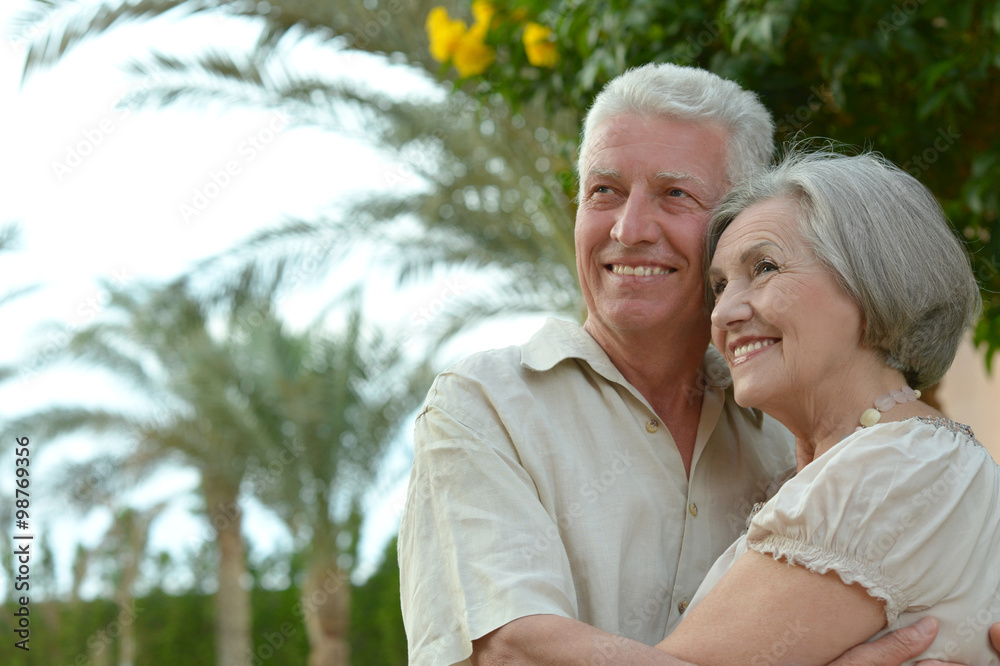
[[691, 95], [886, 238]]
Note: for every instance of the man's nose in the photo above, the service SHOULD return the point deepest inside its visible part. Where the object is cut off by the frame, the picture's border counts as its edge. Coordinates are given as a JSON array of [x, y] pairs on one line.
[[637, 222]]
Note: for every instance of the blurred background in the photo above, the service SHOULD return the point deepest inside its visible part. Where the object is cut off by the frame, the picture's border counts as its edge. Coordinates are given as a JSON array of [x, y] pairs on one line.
[[238, 239]]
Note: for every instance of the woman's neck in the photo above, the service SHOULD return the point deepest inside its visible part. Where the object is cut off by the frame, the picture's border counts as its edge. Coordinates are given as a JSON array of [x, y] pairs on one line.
[[828, 414]]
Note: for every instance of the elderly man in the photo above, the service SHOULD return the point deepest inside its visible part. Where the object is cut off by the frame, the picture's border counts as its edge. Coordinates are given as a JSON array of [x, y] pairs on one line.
[[569, 495]]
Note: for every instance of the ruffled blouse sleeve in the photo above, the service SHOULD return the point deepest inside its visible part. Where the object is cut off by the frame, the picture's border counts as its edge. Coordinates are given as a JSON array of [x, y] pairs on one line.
[[889, 508]]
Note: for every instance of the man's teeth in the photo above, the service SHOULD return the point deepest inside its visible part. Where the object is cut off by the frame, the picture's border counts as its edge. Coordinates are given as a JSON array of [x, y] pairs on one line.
[[618, 269], [753, 346]]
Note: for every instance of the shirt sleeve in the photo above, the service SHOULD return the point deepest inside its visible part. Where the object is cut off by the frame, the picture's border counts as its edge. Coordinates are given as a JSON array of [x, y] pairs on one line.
[[475, 543], [887, 508]]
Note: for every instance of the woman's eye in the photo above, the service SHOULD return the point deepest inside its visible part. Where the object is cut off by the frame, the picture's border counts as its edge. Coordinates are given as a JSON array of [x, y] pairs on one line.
[[764, 266], [718, 287]]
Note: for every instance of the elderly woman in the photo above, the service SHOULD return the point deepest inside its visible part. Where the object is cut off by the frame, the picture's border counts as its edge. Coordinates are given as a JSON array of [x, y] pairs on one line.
[[840, 291]]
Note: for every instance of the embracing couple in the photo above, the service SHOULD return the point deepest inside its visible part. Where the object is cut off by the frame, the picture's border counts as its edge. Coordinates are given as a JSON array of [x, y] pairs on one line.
[[788, 498]]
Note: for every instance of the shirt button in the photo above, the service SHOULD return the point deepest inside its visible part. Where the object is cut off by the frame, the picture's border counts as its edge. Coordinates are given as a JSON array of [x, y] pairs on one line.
[[693, 509], [681, 607], [652, 425]]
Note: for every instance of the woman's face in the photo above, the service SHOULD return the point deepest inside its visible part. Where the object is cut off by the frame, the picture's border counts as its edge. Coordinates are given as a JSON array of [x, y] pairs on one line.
[[781, 319]]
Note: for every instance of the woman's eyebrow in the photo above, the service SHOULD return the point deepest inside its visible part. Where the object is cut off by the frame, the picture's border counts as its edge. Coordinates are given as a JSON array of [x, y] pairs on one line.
[[753, 248]]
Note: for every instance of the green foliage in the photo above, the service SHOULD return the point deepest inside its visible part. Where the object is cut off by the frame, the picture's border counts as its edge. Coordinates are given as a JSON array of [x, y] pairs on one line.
[[911, 80], [177, 629], [377, 635]]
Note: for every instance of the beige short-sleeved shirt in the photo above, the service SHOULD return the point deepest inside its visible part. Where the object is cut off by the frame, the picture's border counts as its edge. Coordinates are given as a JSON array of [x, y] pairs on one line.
[[543, 483], [910, 510]]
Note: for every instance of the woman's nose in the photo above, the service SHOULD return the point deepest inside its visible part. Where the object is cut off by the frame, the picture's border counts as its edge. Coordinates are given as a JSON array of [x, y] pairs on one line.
[[731, 308]]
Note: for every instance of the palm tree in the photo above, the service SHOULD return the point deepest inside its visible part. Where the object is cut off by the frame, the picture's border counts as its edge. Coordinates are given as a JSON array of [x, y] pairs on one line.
[[10, 237], [161, 344], [298, 421], [331, 405], [483, 186]]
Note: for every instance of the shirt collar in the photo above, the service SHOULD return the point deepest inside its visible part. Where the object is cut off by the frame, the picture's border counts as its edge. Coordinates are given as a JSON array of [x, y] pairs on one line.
[[560, 340]]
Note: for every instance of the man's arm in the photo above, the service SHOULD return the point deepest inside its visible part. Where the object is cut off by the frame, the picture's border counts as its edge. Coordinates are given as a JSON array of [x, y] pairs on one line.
[[551, 639]]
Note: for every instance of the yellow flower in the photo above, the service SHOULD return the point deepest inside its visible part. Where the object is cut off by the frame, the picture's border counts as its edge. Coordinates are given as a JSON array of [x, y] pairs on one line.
[[483, 11], [472, 56], [540, 45], [444, 33]]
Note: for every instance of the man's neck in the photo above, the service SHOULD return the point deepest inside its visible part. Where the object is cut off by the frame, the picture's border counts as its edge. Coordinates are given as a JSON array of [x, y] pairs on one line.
[[666, 369]]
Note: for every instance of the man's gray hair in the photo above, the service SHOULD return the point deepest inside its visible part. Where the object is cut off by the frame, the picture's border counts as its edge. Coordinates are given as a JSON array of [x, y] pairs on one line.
[[691, 95], [886, 238]]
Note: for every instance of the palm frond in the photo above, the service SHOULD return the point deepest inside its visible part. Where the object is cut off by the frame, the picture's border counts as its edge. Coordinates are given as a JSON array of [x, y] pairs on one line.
[[51, 28], [51, 422]]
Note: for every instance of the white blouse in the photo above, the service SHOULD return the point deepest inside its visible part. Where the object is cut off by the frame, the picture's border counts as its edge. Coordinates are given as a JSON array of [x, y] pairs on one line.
[[910, 510]]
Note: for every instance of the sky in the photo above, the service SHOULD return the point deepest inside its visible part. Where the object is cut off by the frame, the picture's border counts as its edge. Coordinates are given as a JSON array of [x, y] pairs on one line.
[[105, 192]]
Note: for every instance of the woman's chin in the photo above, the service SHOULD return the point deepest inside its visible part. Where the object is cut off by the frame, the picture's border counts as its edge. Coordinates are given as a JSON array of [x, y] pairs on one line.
[[746, 396]]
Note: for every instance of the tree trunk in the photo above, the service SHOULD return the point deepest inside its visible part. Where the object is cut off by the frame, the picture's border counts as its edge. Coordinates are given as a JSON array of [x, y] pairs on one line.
[[233, 646], [326, 605]]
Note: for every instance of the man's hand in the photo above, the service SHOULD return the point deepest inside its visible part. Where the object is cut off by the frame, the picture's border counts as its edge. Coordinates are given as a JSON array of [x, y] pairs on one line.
[[893, 649], [903, 644]]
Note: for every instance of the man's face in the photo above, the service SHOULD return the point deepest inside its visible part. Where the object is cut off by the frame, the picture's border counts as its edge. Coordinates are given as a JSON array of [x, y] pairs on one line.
[[646, 194]]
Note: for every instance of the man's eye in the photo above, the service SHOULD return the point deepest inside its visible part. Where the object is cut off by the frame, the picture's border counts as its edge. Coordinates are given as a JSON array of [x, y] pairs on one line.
[[676, 192], [718, 287]]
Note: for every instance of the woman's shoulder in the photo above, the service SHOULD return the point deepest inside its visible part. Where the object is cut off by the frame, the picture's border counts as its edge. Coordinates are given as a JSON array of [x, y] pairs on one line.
[[876, 470], [914, 441]]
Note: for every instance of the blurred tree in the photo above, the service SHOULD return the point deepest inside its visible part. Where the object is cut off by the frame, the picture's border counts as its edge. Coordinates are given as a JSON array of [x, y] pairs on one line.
[[338, 401], [160, 342], [10, 238], [297, 420], [473, 185]]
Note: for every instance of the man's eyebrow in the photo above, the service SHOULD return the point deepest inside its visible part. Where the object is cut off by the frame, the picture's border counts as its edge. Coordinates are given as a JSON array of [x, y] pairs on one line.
[[753, 248], [602, 171], [678, 175]]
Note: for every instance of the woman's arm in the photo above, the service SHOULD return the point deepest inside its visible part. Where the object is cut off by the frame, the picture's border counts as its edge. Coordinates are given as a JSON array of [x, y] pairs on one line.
[[764, 611]]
